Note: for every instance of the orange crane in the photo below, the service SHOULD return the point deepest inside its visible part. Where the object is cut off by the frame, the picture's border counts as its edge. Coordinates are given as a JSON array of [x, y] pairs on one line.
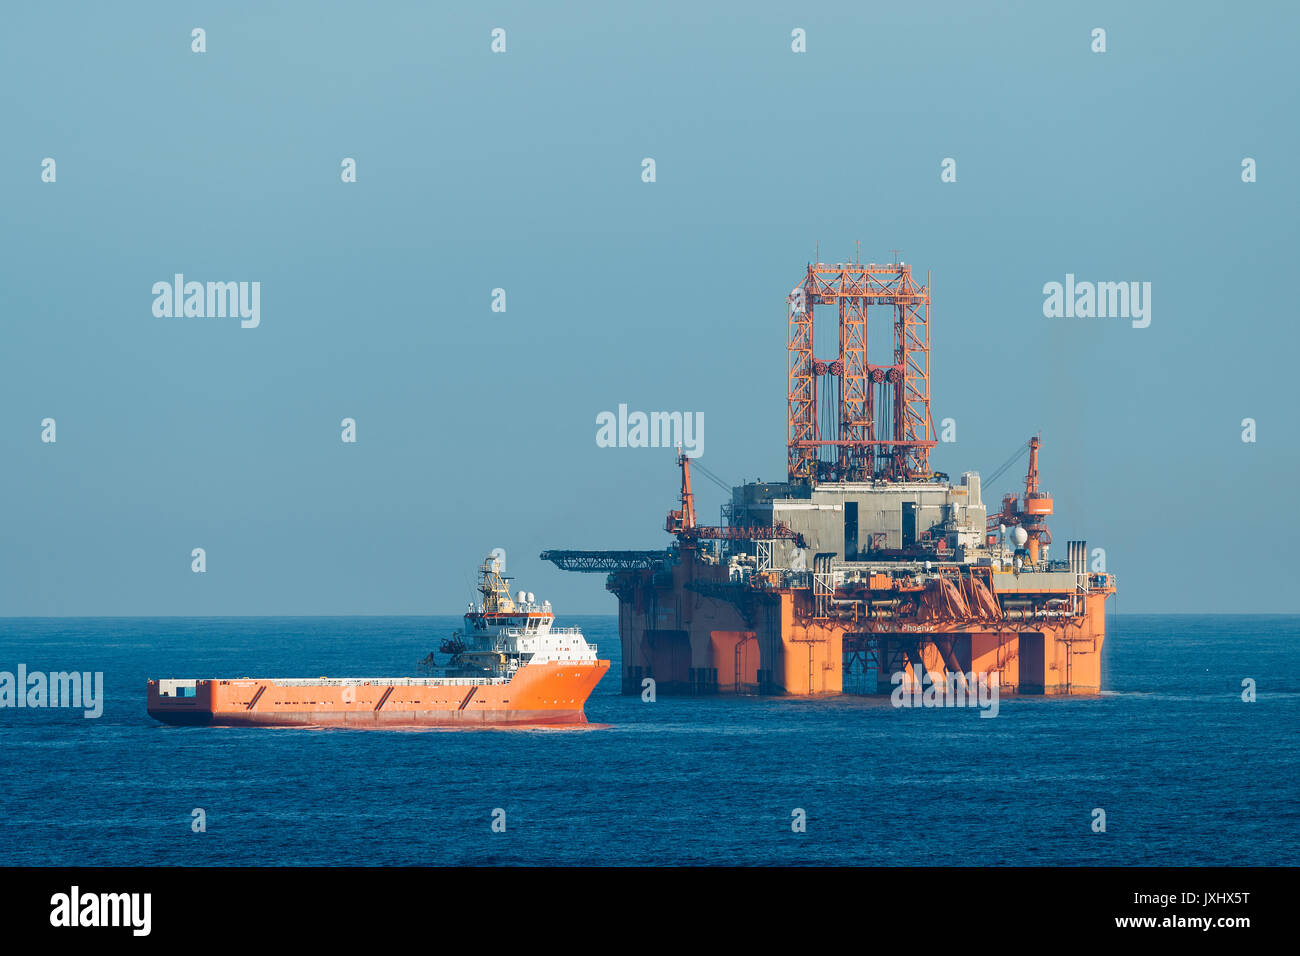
[[1037, 506], [681, 521]]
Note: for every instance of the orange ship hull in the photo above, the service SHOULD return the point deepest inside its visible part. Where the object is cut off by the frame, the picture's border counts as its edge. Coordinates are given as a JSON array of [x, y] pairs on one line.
[[553, 693]]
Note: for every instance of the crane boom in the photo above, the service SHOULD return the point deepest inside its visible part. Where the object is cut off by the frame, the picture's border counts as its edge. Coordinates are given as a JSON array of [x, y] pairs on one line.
[[681, 521]]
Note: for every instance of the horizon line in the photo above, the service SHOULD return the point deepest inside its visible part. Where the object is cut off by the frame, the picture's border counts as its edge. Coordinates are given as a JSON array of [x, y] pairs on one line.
[[55, 617]]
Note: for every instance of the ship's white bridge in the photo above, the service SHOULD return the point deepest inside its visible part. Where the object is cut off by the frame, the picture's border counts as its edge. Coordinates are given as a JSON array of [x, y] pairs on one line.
[[544, 646]]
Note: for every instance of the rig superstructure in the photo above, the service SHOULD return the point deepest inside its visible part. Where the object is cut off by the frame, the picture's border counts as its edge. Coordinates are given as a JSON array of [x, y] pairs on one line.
[[864, 563]]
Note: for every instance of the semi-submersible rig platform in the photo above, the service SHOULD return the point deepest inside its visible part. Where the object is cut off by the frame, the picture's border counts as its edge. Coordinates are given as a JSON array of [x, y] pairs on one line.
[[864, 563]]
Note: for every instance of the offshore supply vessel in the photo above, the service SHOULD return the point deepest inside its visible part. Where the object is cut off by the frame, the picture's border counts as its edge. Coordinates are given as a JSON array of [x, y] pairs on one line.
[[864, 564], [510, 665]]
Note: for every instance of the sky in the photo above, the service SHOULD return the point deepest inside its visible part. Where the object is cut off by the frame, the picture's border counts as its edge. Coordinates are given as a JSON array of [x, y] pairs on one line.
[[523, 171]]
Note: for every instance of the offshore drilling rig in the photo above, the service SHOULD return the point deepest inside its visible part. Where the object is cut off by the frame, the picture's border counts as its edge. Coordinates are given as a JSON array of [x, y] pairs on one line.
[[864, 563]]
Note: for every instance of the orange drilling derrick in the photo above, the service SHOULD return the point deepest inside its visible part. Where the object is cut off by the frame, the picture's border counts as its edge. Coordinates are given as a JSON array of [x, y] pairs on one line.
[[864, 567], [875, 422]]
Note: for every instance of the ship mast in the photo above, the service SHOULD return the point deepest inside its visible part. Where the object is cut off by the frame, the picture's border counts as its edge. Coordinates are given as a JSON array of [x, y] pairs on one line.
[[496, 595]]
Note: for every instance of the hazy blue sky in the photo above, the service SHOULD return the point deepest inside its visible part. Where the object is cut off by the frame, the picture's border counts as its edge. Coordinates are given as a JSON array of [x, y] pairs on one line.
[[476, 429]]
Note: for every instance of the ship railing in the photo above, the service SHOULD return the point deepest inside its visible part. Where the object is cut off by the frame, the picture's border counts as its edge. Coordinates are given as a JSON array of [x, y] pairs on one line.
[[382, 681], [521, 632], [513, 654]]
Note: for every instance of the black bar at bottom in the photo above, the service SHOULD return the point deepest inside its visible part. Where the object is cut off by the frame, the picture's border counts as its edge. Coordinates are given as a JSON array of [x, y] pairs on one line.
[[913, 905]]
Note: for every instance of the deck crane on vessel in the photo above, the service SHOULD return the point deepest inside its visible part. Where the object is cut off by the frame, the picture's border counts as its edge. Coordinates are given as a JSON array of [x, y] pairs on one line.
[[681, 521], [1032, 517]]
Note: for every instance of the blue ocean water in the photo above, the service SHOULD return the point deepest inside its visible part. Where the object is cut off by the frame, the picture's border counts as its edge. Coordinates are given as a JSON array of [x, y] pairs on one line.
[[1186, 772]]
